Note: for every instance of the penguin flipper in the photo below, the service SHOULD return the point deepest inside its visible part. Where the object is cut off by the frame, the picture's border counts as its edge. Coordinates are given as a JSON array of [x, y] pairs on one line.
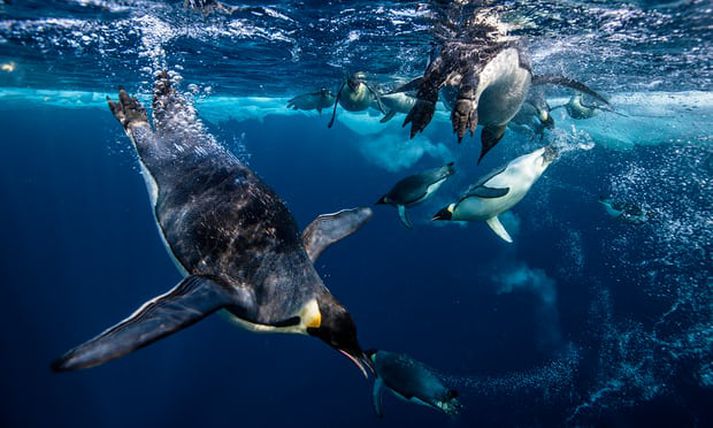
[[194, 298], [410, 86], [376, 395], [377, 97], [336, 103], [488, 192], [404, 217], [499, 229], [327, 229], [569, 83], [390, 115]]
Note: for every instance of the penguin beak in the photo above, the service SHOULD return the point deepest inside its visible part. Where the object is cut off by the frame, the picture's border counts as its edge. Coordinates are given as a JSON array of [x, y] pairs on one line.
[[382, 201], [360, 360], [444, 214]]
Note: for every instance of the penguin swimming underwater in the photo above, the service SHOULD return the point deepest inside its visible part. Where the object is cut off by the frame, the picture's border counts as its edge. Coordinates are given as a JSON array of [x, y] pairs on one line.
[[625, 212], [534, 115], [493, 75], [312, 101], [498, 192], [415, 189], [411, 381], [579, 109], [356, 94], [230, 235], [396, 102]]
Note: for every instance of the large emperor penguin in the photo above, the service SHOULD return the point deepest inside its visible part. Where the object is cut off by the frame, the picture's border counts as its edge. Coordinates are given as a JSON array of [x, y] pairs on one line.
[[230, 235], [499, 191], [411, 381], [491, 74]]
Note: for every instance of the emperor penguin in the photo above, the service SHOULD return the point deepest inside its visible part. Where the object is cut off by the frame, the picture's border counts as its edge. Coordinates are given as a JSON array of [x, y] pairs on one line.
[[312, 101], [396, 102], [231, 237], [500, 191], [490, 75], [625, 212], [356, 94], [411, 381], [415, 189], [577, 108]]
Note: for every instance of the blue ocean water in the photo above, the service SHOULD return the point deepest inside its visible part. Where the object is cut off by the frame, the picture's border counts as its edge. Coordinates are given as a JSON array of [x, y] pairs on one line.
[[582, 321]]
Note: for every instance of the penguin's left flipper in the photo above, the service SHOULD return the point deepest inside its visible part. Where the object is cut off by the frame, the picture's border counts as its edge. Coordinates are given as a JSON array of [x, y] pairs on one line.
[[194, 298], [404, 217], [327, 229], [499, 229], [336, 104], [376, 396], [554, 79]]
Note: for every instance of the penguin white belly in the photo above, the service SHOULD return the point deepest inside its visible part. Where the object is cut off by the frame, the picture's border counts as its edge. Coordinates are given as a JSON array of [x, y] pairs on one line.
[[309, 315], [518, 177], [502, 88], [431, 189], [398, 102], [355, 100]]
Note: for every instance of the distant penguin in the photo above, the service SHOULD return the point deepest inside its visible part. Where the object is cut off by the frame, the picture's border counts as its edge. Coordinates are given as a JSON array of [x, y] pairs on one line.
[[397, 102], [356, 94], [312, 101], [625, 212], [579, 109], [534, 115], [415, 189], [231, 237], [500, 191], [411, 381]]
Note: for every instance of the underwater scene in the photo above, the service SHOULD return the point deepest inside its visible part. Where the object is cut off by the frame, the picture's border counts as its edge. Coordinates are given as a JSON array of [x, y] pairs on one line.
[[356, 213]]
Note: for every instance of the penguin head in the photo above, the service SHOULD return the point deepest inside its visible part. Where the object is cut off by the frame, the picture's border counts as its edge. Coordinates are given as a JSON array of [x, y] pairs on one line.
[[383, 200], [356, 79], [337, 329], [546, 119], [445, 214]]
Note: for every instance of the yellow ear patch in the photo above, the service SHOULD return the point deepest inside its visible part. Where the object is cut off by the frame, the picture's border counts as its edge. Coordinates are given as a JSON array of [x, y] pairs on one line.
[[311, 316]]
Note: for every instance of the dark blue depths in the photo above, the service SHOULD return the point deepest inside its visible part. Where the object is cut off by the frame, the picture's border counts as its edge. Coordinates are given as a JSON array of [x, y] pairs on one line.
[[80, 251]]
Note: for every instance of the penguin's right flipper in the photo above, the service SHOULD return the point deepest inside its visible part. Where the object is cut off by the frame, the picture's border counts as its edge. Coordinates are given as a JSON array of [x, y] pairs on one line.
[[336, 103], [499, 229], [376, 396], [488, 192], [390, 115], [194, 298], [327, 229], [555, 79], [404, 217]]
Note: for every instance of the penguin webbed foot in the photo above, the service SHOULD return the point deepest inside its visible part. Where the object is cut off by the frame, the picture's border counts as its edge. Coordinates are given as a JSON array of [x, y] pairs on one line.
[[420, 116], [464, 116], [127, 110]]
